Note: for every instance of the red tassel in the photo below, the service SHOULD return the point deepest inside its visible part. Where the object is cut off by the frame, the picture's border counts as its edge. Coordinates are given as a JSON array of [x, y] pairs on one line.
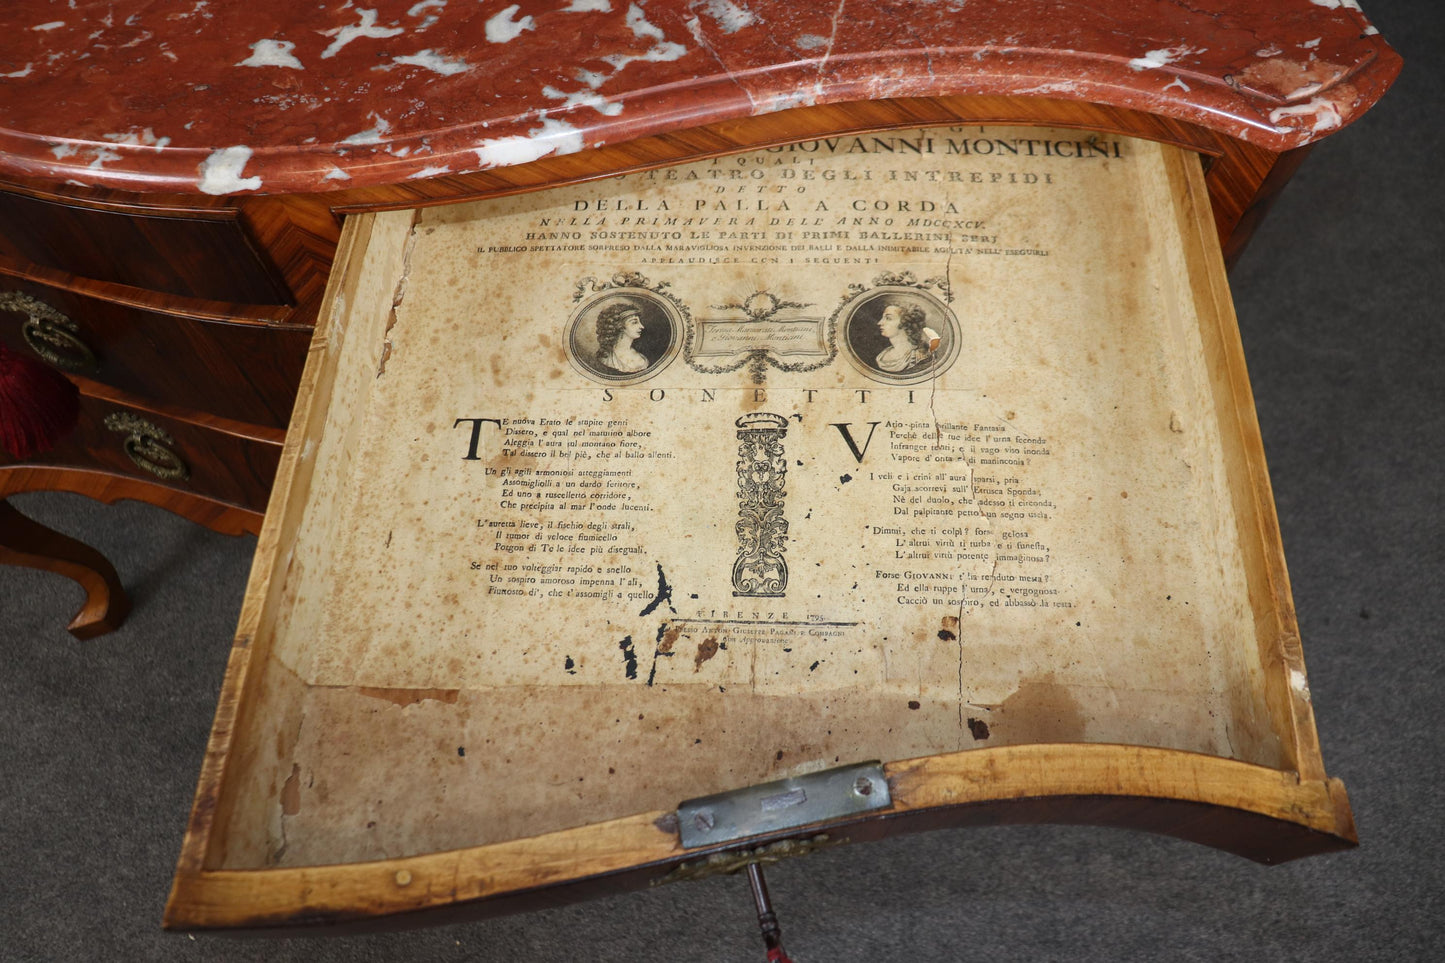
[[38, 405], [776, 955]]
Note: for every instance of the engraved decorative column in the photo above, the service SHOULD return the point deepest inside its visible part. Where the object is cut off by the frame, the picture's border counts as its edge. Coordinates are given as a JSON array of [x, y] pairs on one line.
[[760, 569]]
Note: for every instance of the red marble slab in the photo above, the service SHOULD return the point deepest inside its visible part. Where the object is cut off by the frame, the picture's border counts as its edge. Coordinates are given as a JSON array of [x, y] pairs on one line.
[[278, 96]]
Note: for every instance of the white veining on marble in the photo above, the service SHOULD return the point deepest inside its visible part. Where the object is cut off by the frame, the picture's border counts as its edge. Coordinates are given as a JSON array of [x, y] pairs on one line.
[[272, 53], [786, 100], [62, 151], [591, 78], [435, 62], [1324, 111], [103, 156], [337, 174], [1265, 53], [141, 138], [221, 172], [810, 41], [637, 21], [52, 25], [729, 16], [582, 98], [1154, 59], [1178, 82], [1311, 44], [588, 6], [26, 71], [832, 38], [553, 137], [371, 136], [429, 172], [366, 28], [661, 51], [501, 28], [1337, 4], [417, 9], [1052, 87]]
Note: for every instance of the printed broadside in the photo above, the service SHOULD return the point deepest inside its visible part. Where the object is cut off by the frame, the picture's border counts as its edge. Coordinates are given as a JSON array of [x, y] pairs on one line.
[[913, 429]]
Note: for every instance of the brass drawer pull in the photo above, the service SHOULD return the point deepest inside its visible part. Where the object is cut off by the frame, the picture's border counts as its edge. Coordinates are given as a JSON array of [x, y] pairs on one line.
[[148, 446], [50, 333]]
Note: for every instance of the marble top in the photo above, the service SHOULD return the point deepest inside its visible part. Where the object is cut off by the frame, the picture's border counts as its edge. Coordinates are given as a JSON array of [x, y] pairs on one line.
[[280, 96]]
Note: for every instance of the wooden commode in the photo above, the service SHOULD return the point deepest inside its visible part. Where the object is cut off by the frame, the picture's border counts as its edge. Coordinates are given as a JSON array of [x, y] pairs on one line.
[[682, 436]]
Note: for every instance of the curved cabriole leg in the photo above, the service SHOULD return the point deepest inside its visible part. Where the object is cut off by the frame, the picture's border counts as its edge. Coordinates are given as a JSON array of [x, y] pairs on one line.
[[28, 543]]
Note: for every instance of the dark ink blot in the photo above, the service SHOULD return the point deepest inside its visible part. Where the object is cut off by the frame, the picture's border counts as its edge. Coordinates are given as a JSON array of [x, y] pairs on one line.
[[629, 655], [814, 665], [978, 728], [664, 594], [779, 755], [946, 635], [693, 595], [844, 479], [461, 750], [569, 665], [914, 704]]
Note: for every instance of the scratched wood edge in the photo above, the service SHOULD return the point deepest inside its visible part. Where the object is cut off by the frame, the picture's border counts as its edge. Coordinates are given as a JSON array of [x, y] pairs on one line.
[[976, 787], [212, 804], [1285, 687]]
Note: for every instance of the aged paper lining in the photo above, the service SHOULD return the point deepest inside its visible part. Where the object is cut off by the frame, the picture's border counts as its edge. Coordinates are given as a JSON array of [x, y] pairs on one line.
[[874, 447]]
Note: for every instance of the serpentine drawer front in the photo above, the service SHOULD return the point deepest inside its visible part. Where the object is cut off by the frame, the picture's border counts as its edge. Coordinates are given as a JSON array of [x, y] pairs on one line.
[[232, 463], [931, 447], [239, 370], [198, 253]]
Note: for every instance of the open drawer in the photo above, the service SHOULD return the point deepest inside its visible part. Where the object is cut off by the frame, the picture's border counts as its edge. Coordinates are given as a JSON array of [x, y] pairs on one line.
[[927, 448]]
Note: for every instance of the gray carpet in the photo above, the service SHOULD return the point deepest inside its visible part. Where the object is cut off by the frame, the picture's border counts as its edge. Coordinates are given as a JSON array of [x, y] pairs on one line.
[[1339, 302]]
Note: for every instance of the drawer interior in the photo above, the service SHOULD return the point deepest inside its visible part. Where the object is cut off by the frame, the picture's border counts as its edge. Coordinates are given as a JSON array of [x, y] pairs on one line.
[[523, 573]]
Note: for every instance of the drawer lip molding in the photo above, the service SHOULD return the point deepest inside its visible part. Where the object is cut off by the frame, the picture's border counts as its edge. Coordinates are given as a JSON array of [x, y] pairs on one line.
[[1277, 75]]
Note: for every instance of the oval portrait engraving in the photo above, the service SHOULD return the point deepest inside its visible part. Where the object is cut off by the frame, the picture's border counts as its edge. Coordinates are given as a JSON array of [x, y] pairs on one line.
[[621, 336], [899, 335]]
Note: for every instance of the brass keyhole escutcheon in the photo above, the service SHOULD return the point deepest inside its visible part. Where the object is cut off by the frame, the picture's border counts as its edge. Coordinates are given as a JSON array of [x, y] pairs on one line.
[[148, 446], [50, 334]]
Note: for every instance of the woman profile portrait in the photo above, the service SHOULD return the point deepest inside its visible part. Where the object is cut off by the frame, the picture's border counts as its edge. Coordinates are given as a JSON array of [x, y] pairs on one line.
[[910, 341], [618, 328], [623, 335], [898, 334]]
